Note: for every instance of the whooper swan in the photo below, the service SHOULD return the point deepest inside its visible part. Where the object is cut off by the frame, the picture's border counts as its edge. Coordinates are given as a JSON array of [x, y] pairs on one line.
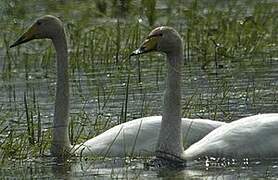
[[250, 137], [137, 137]]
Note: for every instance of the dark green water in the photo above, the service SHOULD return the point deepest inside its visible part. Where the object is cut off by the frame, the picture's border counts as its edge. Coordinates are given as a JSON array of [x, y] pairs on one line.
[[230, 71]]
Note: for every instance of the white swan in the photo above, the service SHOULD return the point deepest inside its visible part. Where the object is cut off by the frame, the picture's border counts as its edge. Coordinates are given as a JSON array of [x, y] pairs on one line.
[[139, 137], [51, 27], [117, 141], [254, 137], [166, 39], [250, 137]]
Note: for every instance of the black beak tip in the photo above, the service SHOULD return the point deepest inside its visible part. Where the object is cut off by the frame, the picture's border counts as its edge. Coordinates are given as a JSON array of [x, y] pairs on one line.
[[21, 40], [13, 45], [16, 43], [132, 54]]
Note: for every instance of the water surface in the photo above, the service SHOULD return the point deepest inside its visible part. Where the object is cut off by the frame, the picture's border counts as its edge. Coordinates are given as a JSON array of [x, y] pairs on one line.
[[230, 71]]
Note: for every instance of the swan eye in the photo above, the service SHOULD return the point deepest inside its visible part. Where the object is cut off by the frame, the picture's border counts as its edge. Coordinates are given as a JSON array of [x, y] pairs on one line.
[[39, 23]]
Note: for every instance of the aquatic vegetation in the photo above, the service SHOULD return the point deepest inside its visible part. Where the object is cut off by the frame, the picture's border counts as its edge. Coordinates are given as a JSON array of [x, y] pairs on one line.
[[230, 72]]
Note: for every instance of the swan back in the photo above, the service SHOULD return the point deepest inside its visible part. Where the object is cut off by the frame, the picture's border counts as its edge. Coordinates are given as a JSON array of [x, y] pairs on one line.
[[250, 137], [139, 137], [195, 129]]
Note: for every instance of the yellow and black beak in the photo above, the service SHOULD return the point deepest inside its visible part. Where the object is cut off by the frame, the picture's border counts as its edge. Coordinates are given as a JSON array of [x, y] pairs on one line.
[[27, 36], [150, 44]]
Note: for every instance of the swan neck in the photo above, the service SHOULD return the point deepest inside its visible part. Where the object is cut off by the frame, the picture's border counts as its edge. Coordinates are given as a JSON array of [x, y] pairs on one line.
[[170, 138], [60, 141]]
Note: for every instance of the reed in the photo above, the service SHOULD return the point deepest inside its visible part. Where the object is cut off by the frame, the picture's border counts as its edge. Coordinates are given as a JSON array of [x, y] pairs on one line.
[[220, 44]]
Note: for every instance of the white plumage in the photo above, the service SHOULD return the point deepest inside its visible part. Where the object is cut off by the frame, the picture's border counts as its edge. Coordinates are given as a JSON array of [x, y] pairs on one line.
[[139, 137], [250, 137]]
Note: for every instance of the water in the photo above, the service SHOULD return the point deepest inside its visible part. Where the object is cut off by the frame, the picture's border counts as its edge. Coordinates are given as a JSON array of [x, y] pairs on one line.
[[224, 90], [124, 169]]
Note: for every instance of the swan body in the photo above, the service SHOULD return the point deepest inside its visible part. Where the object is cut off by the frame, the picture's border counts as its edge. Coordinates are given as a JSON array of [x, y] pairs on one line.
[[250, 137], [135, 137], [167, 40], [139, 137]]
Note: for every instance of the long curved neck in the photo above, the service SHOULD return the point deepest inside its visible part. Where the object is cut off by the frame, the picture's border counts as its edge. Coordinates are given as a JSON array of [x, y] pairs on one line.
[[170, 139], [60, 137]]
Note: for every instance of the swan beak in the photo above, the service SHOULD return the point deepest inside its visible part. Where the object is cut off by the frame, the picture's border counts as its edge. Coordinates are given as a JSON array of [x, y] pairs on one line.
[[27, 36], [150, 44]]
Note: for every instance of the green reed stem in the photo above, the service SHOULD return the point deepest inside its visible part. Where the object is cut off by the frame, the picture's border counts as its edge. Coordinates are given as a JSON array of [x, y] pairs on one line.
[[29, 126], [126, 97]]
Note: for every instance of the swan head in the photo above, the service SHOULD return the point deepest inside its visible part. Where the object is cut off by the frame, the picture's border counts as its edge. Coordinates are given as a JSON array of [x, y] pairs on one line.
[[48, 27], [163, 39]]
